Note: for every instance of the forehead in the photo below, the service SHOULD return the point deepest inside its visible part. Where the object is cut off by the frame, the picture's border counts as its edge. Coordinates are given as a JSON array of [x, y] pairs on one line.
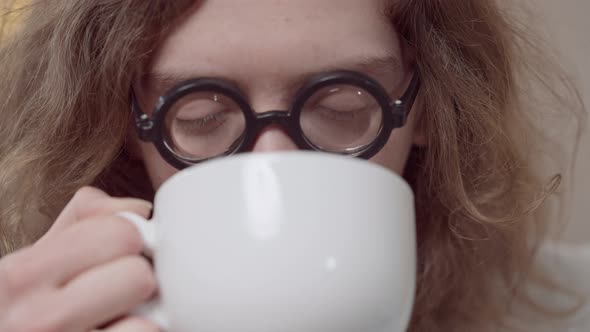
[[276, 37]]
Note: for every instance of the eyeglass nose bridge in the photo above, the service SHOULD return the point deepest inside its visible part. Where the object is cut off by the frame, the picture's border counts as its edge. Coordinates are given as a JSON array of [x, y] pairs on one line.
[[274, 117], [286, 120]]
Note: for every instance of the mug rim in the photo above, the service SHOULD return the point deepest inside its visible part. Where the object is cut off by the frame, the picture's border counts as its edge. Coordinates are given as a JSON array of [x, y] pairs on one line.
[[237, 158]]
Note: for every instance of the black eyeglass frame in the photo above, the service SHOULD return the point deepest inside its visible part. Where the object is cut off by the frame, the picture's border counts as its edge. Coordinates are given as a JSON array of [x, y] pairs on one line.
[[394, 113]]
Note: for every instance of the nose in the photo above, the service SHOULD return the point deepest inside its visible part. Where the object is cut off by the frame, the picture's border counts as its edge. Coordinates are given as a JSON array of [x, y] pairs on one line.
[[273, 138]]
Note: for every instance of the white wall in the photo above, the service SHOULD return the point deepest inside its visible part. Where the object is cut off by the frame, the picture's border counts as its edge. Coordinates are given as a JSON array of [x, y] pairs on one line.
[[568, 25]]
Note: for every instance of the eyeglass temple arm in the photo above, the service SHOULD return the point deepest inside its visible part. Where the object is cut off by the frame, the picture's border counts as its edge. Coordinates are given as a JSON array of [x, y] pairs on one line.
[[143, 124], [403, 105]]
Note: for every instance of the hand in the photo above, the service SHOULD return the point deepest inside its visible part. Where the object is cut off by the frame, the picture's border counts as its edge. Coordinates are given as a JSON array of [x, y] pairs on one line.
[[85, 272]]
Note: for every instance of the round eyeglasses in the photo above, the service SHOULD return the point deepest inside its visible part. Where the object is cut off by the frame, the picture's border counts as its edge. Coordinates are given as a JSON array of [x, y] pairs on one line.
[[343, 112]]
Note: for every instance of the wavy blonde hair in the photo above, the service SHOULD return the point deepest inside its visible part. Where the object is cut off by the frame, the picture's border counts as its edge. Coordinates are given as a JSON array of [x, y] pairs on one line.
[[64, 110]]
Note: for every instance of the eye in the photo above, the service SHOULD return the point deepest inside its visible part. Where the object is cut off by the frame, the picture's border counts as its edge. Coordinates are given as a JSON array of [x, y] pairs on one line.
[[201, 126], [193, 109], [341, 118], [345, 99], [199, 114]]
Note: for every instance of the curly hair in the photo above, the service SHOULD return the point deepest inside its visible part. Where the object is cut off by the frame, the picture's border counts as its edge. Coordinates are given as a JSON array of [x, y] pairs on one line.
[[68, 67]]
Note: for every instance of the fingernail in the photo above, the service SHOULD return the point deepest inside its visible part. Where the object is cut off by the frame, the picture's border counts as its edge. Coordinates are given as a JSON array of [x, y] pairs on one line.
[[147, 204], [142, 203]]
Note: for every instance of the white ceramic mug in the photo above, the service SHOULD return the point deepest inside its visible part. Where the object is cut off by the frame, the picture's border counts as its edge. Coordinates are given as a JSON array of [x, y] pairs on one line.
[[277, 242]]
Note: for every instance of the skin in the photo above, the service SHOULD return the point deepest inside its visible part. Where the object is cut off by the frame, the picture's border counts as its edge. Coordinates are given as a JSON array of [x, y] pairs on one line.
[[69, 280], [257, 48]]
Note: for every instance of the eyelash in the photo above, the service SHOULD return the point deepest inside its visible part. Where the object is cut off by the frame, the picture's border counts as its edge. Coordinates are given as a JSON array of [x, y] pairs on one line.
[[339, 115], [196, 125]]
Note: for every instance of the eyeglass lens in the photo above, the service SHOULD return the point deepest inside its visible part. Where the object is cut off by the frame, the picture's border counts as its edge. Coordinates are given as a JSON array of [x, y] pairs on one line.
[[336, 118], [204, 125], [341, 119]]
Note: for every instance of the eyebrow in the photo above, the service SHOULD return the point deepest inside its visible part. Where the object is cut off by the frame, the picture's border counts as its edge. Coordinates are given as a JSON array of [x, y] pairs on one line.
[[161, 82]]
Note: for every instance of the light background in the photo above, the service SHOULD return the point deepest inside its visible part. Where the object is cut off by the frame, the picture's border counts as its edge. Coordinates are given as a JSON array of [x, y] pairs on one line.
[[567, 25]]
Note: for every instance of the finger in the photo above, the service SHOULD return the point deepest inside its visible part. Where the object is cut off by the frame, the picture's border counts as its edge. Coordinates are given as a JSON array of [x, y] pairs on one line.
[[85, 201], [105, 293], [133, 324], [89, 202], [85, 245], [18, 274]]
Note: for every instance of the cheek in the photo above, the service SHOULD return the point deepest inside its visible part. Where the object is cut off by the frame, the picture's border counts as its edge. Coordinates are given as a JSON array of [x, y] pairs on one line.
[[395, 153], [157, 168], [393, 156]]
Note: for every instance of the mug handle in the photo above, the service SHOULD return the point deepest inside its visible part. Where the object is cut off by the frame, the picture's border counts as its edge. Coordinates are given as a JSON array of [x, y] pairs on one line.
[[151, 310]]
